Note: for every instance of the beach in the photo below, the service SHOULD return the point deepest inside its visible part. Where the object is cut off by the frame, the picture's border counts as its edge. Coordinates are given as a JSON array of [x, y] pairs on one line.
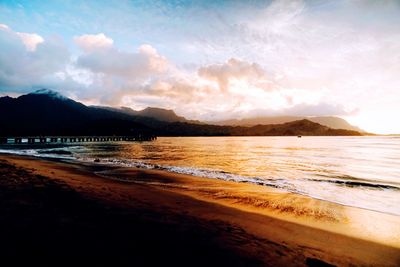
[[63, 213]]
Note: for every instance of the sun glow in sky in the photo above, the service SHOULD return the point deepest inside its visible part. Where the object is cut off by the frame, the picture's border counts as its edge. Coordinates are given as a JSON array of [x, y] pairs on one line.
[[211, 60]]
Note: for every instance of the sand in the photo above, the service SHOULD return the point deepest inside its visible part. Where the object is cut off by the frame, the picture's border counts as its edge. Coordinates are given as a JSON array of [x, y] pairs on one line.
[[63, 213]]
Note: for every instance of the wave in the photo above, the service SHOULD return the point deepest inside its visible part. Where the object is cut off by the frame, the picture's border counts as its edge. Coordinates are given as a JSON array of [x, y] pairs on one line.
[[349, 183], [279, 183], [57, 154], [341, 189], [199, 172], [314, 188]]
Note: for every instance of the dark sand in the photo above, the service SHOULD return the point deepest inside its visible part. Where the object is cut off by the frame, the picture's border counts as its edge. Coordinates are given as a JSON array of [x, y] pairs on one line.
[[66, 214]]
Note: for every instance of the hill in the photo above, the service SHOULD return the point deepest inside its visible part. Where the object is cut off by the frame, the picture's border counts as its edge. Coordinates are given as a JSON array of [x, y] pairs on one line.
[[300, 127], [330, 121]]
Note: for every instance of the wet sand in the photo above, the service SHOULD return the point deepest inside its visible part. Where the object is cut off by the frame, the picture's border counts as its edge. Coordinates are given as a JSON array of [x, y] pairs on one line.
[[60, 213]]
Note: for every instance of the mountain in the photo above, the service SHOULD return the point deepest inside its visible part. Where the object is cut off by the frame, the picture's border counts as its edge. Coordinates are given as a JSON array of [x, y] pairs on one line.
[[330, 121], [167, 115], [294, 128], [159, 114], [45, 112], [49, 93], [335, 123]]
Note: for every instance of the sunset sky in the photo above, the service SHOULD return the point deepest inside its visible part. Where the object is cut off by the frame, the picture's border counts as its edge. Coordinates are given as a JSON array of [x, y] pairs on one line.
[[211, 60]]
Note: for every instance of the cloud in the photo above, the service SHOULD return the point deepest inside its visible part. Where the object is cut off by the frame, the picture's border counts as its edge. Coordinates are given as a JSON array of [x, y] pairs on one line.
[[302, 110], [105, 74], [27, 60], [231, 88], [89, 42], [4, 27], [113, 75], [236, 69], [101, 57], [284, 54], [320, 109], [30, 40]]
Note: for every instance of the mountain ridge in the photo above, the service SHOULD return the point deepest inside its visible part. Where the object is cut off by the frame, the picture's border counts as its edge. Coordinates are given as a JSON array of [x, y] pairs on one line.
[[160, 114], [45, 112], [330, 121], [169, 115]]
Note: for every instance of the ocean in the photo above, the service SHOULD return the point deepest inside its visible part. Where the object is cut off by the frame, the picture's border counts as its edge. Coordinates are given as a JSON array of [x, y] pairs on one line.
[[361, 172]]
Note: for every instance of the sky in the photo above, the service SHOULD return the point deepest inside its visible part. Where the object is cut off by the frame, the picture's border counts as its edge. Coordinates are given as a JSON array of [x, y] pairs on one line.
[[211, 60]]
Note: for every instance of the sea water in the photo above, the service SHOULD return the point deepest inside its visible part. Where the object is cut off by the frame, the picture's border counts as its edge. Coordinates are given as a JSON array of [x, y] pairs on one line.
[[362, 172]]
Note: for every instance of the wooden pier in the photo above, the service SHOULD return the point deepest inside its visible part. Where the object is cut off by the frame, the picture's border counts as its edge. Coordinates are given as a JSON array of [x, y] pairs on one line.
[[73, 139]]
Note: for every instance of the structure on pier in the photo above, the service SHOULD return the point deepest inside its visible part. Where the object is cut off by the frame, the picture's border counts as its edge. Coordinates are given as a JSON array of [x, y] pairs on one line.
[[73, 139]]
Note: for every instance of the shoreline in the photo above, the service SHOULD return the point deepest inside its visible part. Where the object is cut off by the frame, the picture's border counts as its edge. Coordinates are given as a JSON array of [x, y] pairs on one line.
[[271, 226], [149, 167], [268, 187]]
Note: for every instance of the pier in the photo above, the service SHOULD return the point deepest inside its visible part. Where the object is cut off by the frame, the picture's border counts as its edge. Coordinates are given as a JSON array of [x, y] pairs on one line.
[[74, 139]]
